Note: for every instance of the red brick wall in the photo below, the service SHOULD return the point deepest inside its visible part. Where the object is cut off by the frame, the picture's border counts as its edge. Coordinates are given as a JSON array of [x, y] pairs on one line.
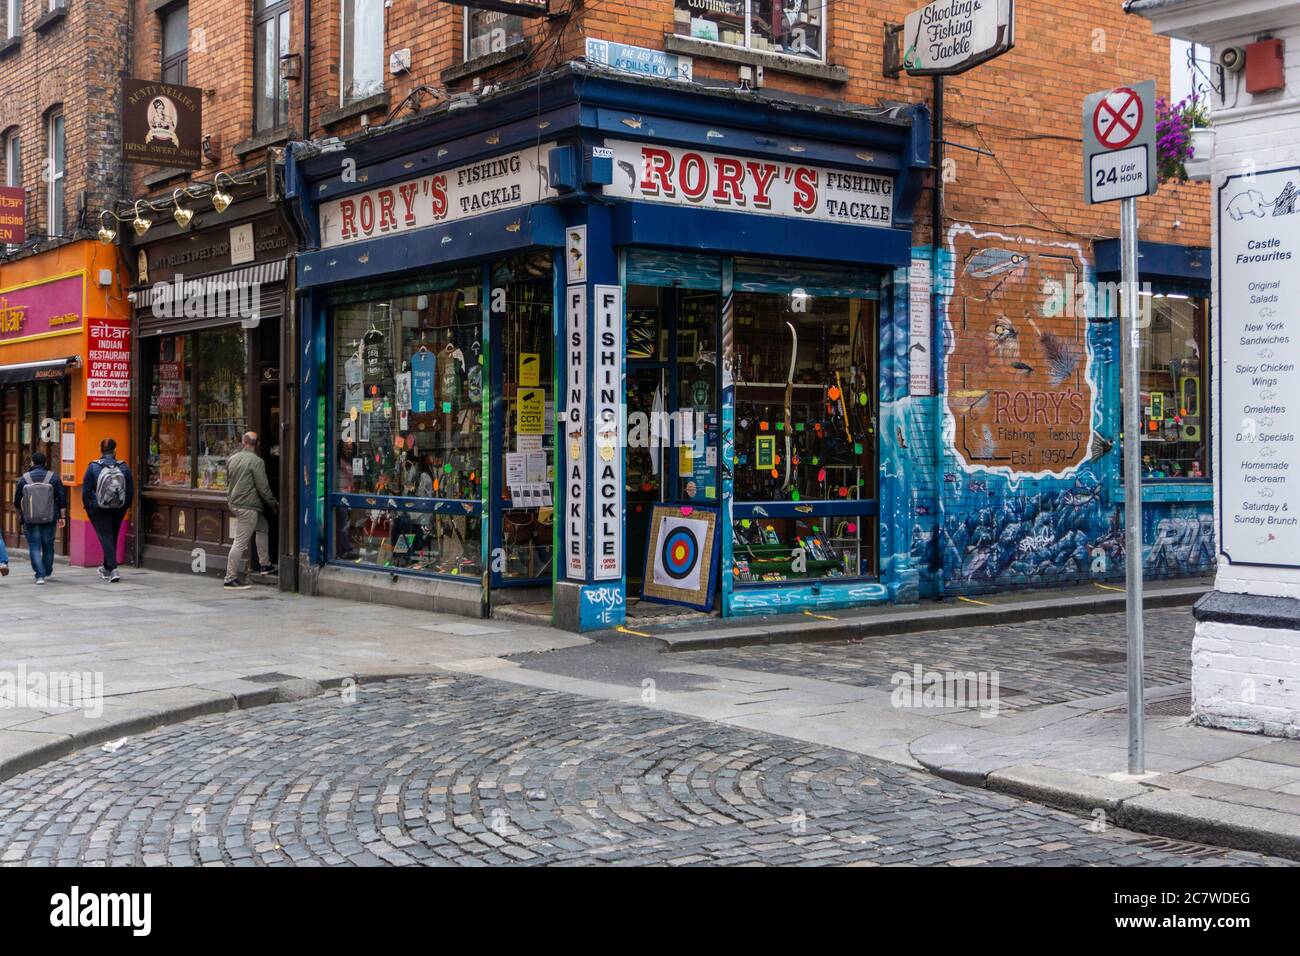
[[75, 63]]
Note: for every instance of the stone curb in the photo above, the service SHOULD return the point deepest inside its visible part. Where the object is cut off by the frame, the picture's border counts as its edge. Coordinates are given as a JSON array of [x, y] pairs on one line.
[[915, 619], [23, 749], [1140, 807]]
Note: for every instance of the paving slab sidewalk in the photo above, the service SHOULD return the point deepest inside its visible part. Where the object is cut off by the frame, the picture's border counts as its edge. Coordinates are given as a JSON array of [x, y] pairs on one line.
[[1012, 607], [86, 662], [1205, 785]]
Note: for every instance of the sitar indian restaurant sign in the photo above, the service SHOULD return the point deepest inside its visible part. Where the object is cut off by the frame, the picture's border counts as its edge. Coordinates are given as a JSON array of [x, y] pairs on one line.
[[13, 214], [688, 177], [42, 310], [475, 189], [162, 124], [948, 37]]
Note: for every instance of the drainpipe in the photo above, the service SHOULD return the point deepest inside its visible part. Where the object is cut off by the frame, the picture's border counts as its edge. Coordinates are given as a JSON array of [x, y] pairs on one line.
[[306, 69], [936, 337]]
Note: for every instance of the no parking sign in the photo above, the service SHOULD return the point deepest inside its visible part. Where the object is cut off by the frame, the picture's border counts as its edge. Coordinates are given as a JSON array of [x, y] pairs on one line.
[[1119, 143]]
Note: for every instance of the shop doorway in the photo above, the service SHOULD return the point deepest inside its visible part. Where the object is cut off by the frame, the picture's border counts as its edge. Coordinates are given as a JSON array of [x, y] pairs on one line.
[[32, 421], [522, 433], [673, 386]]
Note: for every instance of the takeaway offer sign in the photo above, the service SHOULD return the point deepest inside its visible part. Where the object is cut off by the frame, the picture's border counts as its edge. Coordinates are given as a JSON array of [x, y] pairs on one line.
[[108, 365]]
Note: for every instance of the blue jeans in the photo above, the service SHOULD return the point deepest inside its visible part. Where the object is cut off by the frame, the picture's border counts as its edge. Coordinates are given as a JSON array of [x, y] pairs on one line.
[[40, 548], [4, 552]]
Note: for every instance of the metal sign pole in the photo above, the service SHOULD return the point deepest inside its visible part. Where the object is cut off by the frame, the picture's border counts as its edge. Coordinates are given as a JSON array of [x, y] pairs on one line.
[[1132, 483]]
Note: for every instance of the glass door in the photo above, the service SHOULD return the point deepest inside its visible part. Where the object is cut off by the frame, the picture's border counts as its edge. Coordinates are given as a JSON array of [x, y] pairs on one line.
[[522, 295]]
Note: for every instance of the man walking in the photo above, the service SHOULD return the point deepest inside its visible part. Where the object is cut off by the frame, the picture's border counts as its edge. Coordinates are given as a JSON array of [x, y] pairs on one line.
[[42, 502], [107, 492], [249, 496]]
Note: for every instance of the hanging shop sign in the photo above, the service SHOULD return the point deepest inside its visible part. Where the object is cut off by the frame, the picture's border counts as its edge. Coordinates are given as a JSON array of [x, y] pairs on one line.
[[681, 556], [13, 214], [687, 177], [162, 124], [42, 310], [521, 8], [108, 365], [1259, 354], [607, 398], [640, 61], [475, 189], [948, 37], [572, 433], [1119, 143]]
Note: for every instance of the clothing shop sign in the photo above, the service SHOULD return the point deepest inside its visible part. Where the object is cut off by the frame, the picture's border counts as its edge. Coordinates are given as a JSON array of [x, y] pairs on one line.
[[687, 177], [475, 189]]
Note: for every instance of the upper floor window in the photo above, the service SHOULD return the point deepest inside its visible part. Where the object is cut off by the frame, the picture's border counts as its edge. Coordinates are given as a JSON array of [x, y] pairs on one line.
[[490, 31], [58, 165], [270, 42], [13, 18], [362, 49], [176, 44], [13, 159], [792, 27]]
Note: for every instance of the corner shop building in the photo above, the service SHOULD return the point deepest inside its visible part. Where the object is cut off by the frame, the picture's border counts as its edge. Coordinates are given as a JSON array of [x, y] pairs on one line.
[[527, 324]]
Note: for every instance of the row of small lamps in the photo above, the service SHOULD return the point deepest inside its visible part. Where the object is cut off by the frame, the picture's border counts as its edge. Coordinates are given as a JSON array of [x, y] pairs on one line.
[[221, 199]]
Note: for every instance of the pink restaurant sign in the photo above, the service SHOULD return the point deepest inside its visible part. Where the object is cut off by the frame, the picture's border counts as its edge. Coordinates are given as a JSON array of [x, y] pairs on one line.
[[42, 309]]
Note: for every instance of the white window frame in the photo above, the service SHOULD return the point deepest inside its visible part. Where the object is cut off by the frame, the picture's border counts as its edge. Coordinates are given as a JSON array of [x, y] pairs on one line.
[[343, 55], [13, 139], [13, 18], [748, 44], [57, 176]]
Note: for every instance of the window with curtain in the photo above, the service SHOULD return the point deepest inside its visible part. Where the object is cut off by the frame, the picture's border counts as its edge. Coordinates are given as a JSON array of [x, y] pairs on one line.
[[270, 42], [362, 49], [176, 44], [58, 160]]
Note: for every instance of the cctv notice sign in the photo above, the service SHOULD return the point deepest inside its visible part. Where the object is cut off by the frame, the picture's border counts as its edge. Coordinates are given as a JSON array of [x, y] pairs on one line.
[[1119, 143]]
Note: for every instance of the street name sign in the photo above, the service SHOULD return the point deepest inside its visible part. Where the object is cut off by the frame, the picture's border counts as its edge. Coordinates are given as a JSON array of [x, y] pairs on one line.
[[1119, 143]]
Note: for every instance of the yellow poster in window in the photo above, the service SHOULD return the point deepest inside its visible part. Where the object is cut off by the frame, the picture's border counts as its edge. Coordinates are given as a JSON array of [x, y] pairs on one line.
[[530, 411], [530, 368]]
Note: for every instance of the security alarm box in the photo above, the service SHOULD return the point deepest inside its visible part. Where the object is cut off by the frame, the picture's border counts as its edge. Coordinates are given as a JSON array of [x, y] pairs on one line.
[[1265, 66]]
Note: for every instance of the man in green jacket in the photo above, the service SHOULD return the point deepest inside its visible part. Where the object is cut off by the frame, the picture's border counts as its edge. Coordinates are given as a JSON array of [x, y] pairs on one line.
[[249, 496]]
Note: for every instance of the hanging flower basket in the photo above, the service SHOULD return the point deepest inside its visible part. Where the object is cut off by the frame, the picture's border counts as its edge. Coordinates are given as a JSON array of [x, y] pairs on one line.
[[1175, 143]]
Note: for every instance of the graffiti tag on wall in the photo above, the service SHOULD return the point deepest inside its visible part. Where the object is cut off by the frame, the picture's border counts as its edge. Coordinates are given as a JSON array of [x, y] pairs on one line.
[[1019, 386]]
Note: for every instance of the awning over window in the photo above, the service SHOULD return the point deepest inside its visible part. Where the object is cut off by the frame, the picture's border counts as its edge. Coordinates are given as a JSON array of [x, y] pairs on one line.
[[36, 371]]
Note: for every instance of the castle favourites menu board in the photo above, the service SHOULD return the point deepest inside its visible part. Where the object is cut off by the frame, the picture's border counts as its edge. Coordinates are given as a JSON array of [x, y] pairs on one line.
[[1259, 329]]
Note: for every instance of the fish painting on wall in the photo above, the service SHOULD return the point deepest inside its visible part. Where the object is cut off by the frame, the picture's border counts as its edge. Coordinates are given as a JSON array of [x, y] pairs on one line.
[[1018, 380]]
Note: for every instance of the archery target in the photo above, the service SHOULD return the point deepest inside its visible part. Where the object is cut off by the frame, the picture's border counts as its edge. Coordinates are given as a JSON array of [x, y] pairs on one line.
[[677, 558]]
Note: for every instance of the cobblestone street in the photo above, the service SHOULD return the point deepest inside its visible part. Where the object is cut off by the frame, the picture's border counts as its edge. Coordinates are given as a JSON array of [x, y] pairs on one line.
[[474, 771]]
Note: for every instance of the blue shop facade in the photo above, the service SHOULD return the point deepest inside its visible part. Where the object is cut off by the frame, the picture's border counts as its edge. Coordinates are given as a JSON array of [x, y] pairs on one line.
[[606, 339]]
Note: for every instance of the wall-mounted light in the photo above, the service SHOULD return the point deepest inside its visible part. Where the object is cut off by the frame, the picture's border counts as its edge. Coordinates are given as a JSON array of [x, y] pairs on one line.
[[220, 200], [140, 224], [181, 214], [106, 232]]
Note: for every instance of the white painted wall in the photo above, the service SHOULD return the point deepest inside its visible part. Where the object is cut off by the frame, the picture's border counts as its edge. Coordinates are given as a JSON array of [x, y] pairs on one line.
[[1245, 678]]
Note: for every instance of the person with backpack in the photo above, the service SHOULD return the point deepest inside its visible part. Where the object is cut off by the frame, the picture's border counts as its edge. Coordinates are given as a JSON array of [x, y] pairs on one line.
[[42, 502], [107, 492], [4, 557]]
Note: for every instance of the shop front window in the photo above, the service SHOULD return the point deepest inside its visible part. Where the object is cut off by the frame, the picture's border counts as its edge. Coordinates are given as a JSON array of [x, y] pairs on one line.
[[198, 407], [792, 27], [805, 416], [1173, 358], [169, 458], [407, 427]]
